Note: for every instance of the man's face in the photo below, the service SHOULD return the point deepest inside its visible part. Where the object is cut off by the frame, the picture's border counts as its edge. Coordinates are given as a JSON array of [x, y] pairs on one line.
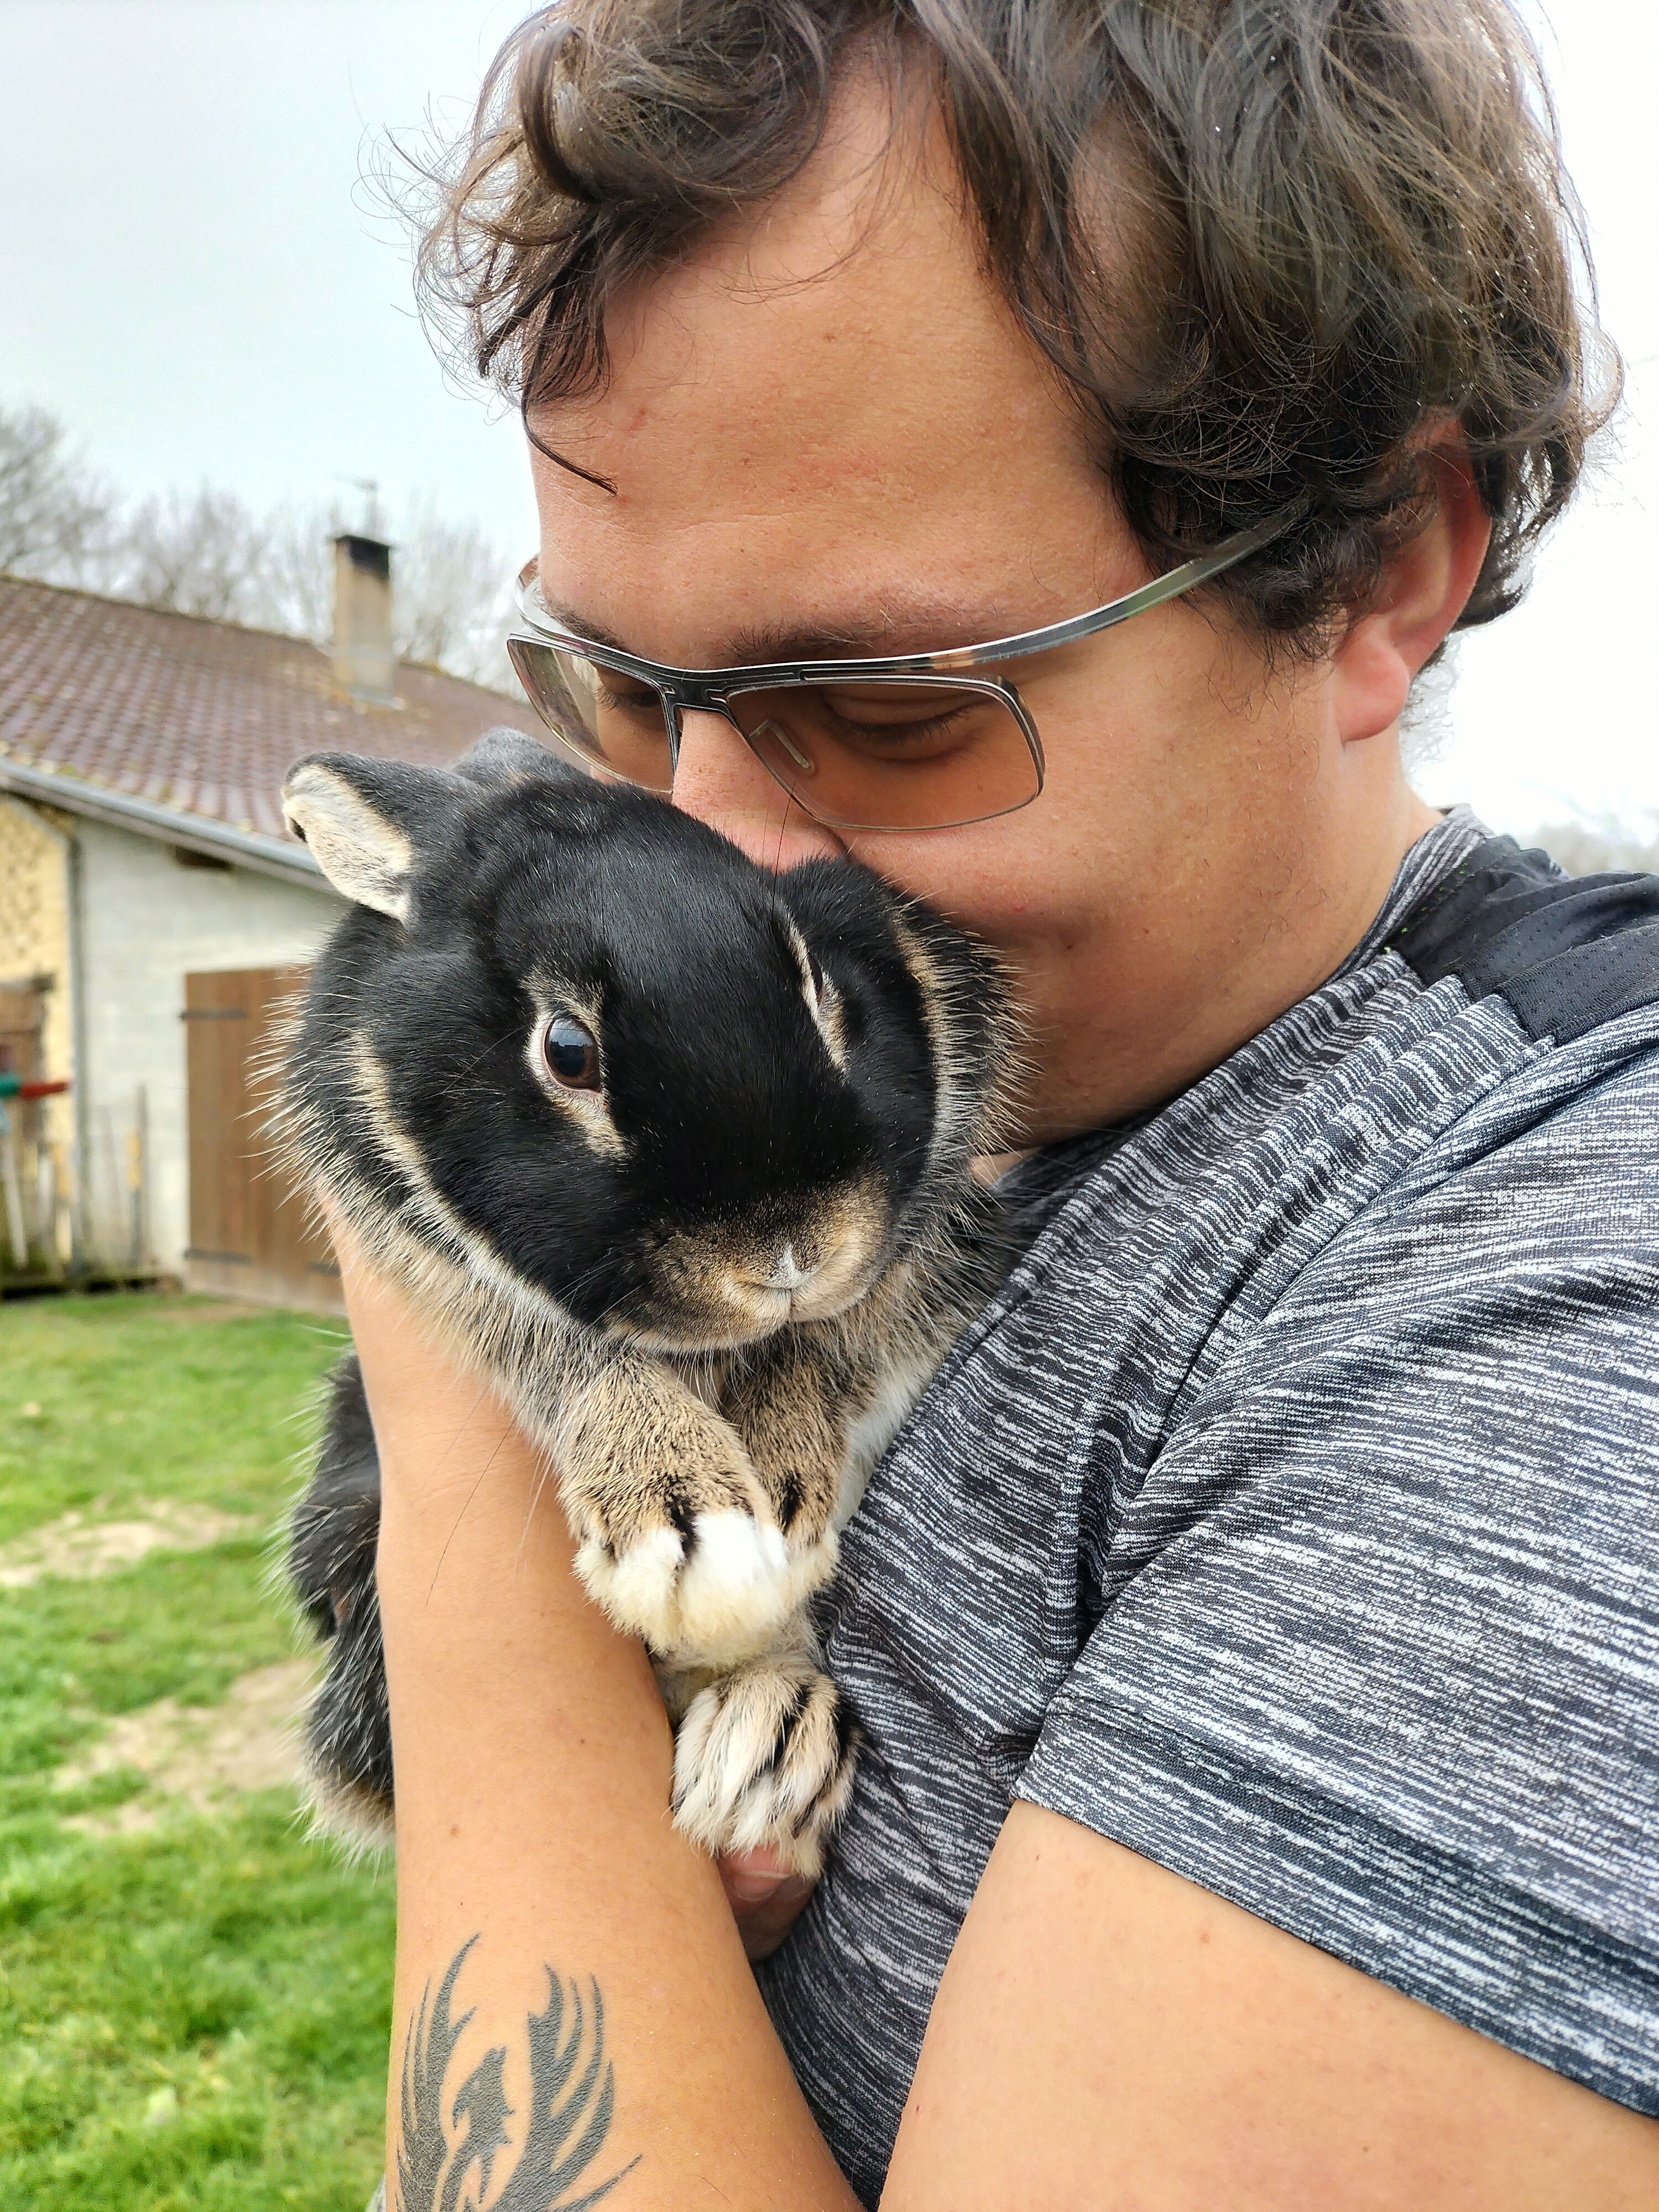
[[828, 436]]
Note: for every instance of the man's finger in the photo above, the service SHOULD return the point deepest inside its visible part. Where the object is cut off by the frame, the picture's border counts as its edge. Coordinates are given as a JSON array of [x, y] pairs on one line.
[[765, 1898]]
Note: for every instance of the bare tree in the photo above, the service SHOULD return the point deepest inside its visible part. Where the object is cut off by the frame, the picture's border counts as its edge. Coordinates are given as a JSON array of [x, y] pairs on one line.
[[297, 582], [54, 518], [207, 553], [450, 602], [1601, 844], [197, 555]]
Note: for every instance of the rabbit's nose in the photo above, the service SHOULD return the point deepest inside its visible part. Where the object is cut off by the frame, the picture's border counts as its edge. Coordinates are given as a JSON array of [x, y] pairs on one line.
[[788, 1273]]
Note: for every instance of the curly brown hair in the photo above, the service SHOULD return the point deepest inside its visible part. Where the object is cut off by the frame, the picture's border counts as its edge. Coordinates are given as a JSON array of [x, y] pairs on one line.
[[1346, 220]]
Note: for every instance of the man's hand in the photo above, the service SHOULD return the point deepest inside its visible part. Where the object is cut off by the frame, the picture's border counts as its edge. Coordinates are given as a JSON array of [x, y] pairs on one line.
[[765, 1898]]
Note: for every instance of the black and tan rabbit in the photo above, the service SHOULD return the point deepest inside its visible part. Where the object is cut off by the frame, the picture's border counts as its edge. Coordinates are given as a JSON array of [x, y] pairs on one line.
[[677, 1153]]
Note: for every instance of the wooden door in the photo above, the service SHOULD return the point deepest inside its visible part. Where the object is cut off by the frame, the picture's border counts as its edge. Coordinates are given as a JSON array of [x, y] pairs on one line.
[[250, 1235]]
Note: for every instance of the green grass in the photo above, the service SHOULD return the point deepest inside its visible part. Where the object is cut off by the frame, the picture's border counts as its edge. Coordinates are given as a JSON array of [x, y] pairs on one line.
[[196, 2015], [142, 1396]]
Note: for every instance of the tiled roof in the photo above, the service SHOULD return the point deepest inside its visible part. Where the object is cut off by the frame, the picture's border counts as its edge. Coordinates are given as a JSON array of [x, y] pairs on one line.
[[200, 716]]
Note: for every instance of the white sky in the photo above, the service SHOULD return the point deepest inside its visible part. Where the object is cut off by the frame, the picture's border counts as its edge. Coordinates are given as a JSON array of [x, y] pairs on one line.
[[193, 275]]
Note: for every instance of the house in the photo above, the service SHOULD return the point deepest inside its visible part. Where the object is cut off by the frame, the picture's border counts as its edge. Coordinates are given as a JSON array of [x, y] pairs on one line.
[[153, 909]]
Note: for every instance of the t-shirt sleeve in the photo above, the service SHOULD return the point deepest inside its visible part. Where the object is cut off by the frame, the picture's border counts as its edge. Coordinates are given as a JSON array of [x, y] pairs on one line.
[[1377, 1647]]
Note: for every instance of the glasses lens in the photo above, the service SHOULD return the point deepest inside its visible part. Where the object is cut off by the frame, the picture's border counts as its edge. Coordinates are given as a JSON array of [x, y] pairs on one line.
[[892, 753], [607, 718]]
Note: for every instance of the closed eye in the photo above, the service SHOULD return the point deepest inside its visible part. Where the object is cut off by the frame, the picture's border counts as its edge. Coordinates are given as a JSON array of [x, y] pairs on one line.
[[627, 703], [902, 722]]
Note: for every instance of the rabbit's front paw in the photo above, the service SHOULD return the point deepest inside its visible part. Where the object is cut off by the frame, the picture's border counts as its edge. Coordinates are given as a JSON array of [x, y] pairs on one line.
[[676, 1540], [763, 1760]]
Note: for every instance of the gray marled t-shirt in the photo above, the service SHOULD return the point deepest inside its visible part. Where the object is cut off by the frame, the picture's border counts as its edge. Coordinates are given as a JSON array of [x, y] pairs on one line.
[[1293, 1517]]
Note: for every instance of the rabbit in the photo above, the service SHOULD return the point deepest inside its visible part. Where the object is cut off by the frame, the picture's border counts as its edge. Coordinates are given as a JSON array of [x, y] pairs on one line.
[[678, 1154]]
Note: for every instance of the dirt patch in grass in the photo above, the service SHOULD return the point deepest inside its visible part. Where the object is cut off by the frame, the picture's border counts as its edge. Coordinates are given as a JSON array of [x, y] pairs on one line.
[[78, 1548], [200, 1755]]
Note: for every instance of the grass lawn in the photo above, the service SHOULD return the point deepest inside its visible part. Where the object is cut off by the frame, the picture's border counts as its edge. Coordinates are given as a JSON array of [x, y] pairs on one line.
[[193, 2013]]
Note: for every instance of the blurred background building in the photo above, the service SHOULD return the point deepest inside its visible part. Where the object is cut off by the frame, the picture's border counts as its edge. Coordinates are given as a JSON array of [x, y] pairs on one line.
[[154, 913]]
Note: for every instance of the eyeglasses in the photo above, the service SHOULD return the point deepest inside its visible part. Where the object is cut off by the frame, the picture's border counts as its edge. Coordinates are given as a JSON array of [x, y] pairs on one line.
[[857, 745]]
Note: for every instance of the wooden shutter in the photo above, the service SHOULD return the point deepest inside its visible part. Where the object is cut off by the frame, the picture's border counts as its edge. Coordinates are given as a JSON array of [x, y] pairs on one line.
[[22, 1012], [249, 1237]]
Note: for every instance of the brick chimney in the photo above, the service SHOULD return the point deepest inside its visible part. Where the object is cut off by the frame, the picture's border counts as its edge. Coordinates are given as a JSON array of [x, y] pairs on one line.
[[363, 661]]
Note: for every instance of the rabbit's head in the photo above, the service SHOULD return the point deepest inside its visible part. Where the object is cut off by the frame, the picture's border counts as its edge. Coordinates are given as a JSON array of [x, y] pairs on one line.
[[575, 1043]]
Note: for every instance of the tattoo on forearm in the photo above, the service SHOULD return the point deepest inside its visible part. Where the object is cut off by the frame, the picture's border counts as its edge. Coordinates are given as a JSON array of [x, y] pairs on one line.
[[446, 2165]]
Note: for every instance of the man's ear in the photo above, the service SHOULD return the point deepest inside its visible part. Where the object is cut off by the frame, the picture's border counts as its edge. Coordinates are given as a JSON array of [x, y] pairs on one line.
[[1425, 588], [367, 821]]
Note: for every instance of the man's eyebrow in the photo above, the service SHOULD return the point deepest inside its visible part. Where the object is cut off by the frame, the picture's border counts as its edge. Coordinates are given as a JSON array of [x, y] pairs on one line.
[[595, 633], [888, 632]]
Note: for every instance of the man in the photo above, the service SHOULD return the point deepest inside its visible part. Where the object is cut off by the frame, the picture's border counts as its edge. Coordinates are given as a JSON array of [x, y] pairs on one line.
[[1253, 1631]]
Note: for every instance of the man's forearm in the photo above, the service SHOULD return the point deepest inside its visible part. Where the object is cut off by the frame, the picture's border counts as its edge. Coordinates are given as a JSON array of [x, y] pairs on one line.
[[553, 1928]]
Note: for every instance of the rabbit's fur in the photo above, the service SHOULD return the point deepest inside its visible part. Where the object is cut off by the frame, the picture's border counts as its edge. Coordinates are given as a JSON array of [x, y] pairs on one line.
[[711, 1287]]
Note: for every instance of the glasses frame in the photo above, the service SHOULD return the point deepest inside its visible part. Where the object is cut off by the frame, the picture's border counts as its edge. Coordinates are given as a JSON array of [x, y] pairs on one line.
[[697, 690]]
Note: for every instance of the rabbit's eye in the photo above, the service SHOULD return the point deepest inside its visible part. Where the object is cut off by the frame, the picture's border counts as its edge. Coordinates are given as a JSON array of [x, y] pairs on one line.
[[572, 1054]]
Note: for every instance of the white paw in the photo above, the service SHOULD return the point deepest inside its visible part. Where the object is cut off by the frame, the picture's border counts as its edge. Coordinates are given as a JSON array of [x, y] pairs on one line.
[[734, 1590], [714, 1595], [763, 1759]]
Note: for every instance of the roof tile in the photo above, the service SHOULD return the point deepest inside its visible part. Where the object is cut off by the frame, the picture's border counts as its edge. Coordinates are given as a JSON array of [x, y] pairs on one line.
[[201, 715]]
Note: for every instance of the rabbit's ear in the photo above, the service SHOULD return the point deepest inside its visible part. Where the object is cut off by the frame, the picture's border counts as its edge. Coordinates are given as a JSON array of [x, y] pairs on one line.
[[367, 820], [502, 759]]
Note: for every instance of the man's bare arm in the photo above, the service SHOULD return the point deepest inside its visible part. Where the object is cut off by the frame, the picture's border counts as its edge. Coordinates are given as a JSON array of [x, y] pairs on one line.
[[1109, 2036], [557, 1939]]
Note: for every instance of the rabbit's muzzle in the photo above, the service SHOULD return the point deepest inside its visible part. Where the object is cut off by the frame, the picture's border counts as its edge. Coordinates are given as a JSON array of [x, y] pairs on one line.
[[731, 1284]]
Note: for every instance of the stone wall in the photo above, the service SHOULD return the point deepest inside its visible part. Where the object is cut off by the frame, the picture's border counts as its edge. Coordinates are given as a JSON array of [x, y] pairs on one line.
[[34, 947]]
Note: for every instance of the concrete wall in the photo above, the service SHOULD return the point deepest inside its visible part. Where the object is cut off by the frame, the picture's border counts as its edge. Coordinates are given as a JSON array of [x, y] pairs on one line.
[[146, 923]]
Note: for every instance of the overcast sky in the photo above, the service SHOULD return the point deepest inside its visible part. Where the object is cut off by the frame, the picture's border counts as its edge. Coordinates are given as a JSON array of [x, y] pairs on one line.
[[194, 276]]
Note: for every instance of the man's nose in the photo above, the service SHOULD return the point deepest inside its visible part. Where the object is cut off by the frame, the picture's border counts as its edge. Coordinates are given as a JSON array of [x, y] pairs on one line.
[[717, 780]]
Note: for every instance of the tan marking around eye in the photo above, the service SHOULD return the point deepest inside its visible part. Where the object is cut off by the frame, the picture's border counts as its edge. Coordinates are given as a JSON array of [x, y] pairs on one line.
[[589, 1110]]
